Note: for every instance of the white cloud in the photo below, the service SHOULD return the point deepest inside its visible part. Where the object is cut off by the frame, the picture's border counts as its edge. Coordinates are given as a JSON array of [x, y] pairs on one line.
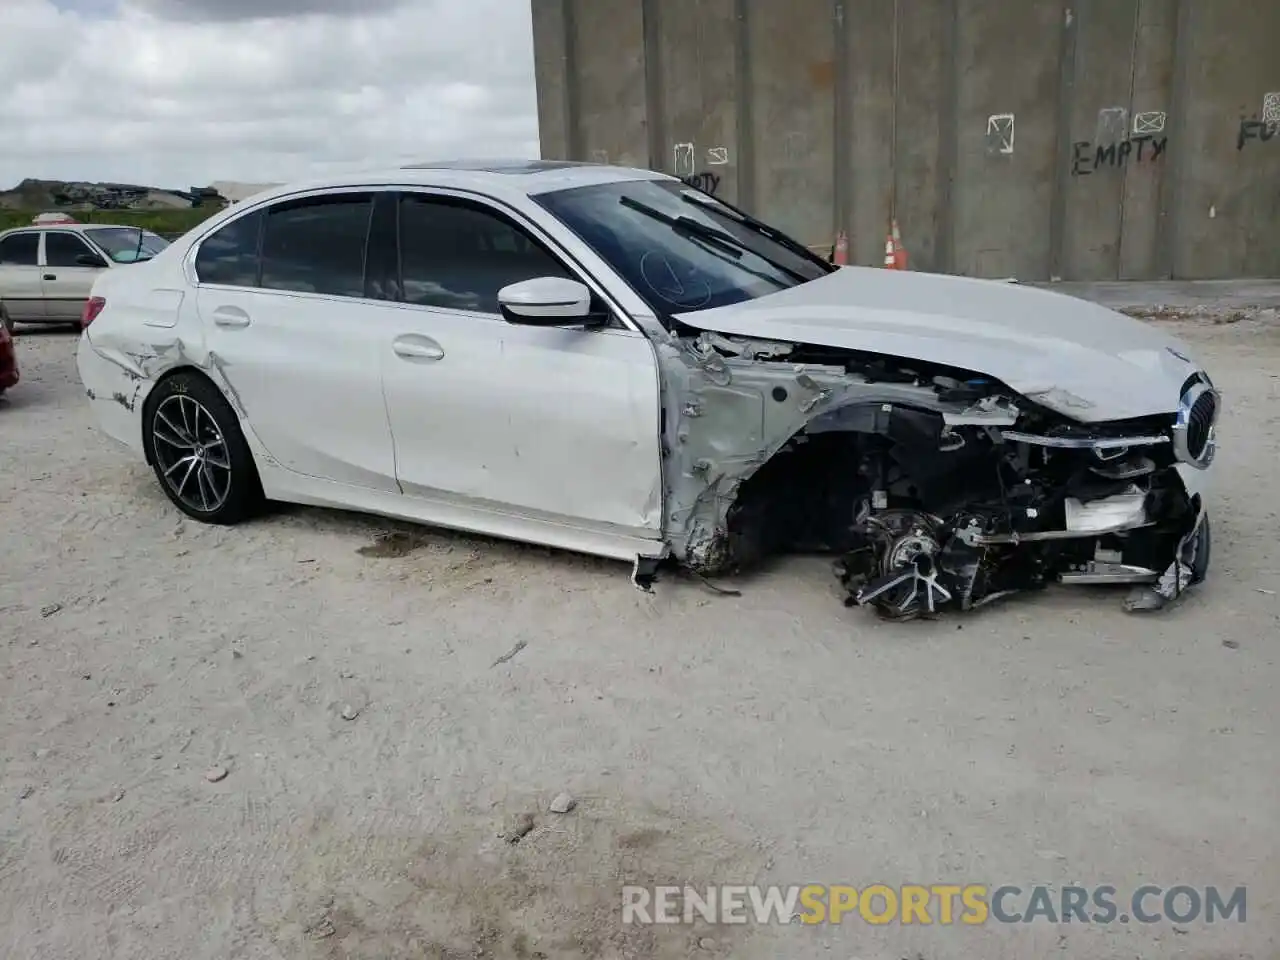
[[163, 92]]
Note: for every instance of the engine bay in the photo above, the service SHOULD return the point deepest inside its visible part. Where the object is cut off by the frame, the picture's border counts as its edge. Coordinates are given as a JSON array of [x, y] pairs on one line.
[[942, 489]]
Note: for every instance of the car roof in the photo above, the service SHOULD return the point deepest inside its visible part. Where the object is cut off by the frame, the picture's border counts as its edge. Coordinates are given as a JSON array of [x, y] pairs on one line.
[[75, 227], [498, 177]]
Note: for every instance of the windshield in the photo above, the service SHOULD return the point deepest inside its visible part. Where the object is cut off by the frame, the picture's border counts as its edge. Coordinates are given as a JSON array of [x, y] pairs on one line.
[[678, 248], [121, 243]]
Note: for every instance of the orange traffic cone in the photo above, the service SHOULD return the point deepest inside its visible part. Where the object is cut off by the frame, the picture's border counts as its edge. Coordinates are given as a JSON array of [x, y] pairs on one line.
[[890, 258], [899, 250], [840, 255]]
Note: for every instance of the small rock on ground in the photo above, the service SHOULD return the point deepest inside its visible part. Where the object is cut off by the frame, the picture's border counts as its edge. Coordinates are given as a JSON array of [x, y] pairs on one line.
[[214, 774], [349, 712], [563, 803]]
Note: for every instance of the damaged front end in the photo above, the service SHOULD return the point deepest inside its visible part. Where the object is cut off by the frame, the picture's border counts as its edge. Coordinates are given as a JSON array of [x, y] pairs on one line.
[[936, 488]]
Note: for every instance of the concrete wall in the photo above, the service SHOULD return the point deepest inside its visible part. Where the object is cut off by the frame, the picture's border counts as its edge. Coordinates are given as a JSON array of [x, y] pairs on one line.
[[1081, 139]]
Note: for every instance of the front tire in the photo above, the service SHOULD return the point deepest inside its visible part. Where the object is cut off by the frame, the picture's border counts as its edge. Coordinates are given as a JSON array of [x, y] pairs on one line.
[[1204, 546], [198, 451]]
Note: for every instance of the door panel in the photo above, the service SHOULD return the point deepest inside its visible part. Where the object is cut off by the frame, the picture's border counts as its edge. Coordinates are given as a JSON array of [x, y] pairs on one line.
[[443, 412], [561, 423], [65, 291], [305, 370], [20, 285], [22, 292], [303, 356], [66, 283], [584, 430], [550, 423]]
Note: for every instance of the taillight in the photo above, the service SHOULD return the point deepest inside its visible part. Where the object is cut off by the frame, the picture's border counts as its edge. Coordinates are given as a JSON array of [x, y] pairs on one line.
[[92, 307]]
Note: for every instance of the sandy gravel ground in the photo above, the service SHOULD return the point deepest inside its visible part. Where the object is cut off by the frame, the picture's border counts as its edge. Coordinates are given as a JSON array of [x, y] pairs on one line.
[[773, 737]]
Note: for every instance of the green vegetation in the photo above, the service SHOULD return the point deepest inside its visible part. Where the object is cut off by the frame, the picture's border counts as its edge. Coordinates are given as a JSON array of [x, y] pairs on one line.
[[163, 222]]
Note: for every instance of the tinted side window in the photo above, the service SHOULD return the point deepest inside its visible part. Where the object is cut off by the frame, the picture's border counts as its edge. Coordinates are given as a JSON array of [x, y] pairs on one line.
[[61, 249], [456, 255], [230, 256], [20, 249], [317, 245]]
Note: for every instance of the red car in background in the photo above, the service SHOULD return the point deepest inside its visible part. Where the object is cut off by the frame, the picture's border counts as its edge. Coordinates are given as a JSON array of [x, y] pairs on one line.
[[8, 360]]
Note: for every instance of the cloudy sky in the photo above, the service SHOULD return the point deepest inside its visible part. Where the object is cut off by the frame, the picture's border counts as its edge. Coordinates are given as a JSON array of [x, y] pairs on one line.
[[184, 92]]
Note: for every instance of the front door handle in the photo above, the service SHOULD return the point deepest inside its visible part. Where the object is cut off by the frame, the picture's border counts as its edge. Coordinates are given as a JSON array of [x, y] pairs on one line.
[[230, 317], [50, 276], [413, 346]]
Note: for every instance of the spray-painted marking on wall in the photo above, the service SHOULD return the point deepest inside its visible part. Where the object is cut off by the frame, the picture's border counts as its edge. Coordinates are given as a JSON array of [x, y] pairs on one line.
[[794, 146], [1271, 107], [1263, 128], [1113, 125], [1254, 129], [705, 181], [1000, 133], [1086, 157], [683, 159], [1151, 122]]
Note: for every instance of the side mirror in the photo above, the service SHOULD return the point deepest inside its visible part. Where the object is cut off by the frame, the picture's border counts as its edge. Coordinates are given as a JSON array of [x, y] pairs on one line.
[[90, 260], [548, 302]]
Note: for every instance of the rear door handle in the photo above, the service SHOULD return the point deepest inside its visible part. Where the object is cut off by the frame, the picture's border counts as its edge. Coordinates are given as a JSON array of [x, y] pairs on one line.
[[413, 346], [230, 317], [50, 276]]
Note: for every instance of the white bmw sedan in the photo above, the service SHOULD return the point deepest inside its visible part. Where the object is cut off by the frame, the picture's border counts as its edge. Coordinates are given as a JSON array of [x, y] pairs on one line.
[[607, 360]]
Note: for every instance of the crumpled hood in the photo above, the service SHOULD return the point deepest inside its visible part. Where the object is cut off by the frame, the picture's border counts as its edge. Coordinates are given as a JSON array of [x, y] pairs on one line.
[[1086, 362]]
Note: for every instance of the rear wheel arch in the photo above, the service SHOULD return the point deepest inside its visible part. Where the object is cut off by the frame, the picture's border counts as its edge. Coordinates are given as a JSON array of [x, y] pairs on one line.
[[191, 369], [148, 407]]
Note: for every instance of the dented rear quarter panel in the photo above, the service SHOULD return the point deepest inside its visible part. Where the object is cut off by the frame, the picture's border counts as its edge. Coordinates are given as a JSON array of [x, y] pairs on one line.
[[116, 388], [144, 332]]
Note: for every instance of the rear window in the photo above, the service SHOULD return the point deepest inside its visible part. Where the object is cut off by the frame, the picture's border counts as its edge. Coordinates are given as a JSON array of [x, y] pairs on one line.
[[317, 245], [19, 249], [230, 256]]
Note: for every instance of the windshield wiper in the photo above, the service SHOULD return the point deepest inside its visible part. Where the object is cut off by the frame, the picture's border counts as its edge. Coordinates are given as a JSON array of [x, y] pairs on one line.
[[716, 242], [727, 209], [726, 241]]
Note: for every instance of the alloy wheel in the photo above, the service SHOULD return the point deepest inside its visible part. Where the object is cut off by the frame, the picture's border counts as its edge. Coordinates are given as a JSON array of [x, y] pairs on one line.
[[191, 453]]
